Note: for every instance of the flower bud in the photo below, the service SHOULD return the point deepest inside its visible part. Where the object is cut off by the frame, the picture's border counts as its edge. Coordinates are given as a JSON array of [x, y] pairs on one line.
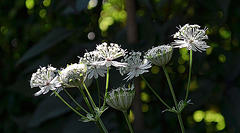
[[121, 98], [160, 55], [73, 75]]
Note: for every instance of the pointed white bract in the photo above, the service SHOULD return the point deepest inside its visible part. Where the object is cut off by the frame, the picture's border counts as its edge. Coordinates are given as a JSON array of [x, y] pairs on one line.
[[135, 65], [108, 54], [46, 79], [93, 70], [73, 75], [121, 98], [159, 55], [191, 37]]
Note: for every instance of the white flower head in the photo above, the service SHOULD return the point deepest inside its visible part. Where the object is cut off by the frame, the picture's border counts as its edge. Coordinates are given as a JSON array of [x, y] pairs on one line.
[[108, 54], [73, 75], [135, 65], [93, 70], [191, 37], [159, 55], [121, 98], [46, 79]]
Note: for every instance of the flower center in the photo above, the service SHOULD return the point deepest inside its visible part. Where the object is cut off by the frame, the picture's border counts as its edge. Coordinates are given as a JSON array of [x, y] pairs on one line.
[[109, 60], [190, 41], [48, 83]]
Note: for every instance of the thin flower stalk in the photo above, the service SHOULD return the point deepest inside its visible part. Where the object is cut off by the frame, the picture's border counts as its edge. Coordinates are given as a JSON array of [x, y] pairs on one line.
[[189, 76], [128, 122], [99, 98], [106, 89], [155, 93], [89, 96], [75, 101], [68, 104], [174, 99]]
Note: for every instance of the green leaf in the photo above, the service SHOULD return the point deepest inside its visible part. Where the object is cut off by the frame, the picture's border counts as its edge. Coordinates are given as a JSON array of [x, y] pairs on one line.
[[51, 39]]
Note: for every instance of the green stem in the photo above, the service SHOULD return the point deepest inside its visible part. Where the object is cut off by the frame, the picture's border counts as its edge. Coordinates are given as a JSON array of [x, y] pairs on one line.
[[128, 122], [89, 96], [174, 99], [181, 122], [99, 121], [75, 101], [99, 98], [189, 76], [85, 99], [102, 125], [170, 86], [106, 90], [155, 92], [68, 104]]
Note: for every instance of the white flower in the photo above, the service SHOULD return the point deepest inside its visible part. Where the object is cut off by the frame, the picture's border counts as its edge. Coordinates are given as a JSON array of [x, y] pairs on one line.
[[73, 75], [159, 55], [93, 70], [191, 37], [121, 98], [45, 79], [135, 65], [108, 54]]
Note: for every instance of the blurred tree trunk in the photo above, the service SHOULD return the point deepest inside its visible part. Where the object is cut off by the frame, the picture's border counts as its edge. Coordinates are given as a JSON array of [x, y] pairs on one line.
[[132, 38], [131, 22]]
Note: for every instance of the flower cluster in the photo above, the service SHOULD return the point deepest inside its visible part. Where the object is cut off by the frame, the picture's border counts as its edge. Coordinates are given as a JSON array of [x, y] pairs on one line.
[[191, 37], [108, 53], [73, 75], [135, 65], [97, 63], [46, 79], [93, 70], [121, 98], [160, 55]]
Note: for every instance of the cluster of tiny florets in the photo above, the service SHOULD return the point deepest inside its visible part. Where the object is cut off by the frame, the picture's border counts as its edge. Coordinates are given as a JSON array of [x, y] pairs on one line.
[[46, 79], [159, 55], [191, 37], [121, 98], [135, 65]]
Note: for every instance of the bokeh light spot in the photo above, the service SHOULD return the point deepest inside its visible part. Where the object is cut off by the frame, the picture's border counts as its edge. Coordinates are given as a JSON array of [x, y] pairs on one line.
[[92, 4], [224, 33], [198, 115], [181, 60], [131, 116], [155, 69], [142, 84], [144, 108], [181, 68], [47, 3], [91, 35], [29, 4], [144, 97], [209, 50], [4, 30], [43, 13], [222, 58]]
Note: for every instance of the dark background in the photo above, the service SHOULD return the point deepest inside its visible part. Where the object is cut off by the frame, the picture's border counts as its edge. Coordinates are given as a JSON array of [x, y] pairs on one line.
[[35, 33]]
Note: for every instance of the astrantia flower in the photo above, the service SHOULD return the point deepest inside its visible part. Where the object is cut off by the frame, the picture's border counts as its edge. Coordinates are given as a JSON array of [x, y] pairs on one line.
[[159, 55], [191, 37], [46, 79], [93, 70], [108, 54], [135, 65], [121, 98], [73, 75]]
